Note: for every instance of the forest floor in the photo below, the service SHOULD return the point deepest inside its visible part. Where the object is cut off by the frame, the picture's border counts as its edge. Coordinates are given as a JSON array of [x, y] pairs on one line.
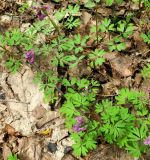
[[34, 129]]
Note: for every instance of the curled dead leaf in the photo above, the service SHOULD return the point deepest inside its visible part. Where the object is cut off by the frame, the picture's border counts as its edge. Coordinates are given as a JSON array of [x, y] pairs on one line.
[[10, 130]]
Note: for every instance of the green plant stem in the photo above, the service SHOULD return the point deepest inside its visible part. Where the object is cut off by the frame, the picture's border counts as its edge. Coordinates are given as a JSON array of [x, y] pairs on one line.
[[97, 24], [140, 4], [54, 24]]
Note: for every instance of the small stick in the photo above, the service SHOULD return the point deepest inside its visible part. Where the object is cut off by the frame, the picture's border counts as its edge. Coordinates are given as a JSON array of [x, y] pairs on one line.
[[14, 101], [96, 26]]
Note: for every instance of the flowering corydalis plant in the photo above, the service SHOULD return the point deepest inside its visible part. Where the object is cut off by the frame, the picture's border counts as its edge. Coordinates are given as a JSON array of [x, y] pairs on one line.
[[147, 141], [30, 56], [79, 124], [41, 12]]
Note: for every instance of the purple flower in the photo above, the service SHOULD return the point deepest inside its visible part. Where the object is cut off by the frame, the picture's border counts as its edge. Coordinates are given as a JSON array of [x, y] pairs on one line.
[[46, 7], [78, 127], [40, 15], [41, 11], [147, 141], [79, 120], [30, 56]]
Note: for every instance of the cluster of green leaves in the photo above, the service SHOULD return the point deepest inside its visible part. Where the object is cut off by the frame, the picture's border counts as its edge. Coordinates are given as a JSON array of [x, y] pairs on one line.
[[11, 38], [111, 2], [15, 42], [96, 58], [91, 3], [126, 122], [23, 8], [146, 71], [125, 28], [116, 44], [147, 4], [69, 16], [68, 51], [136, 98], [45, 26], [12, 157], [146, 37], [106, 25], [79, 97], [13, 65], [48, 84], [122, 26], [84, 142]]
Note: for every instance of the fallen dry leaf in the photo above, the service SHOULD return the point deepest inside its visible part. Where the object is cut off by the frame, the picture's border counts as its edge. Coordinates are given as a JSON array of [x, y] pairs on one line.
[[86, 17], [49, 116], [10, 130], [122, 66], [141, 46], [6, 151], [104, 11], [39, 112], [30, 148]]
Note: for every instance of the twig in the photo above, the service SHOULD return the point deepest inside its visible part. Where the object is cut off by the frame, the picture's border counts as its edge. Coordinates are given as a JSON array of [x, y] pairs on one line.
[[96, 25], [14, 101]]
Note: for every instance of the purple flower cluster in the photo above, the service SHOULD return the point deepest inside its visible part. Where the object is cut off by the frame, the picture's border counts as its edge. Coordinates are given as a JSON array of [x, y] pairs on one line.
[[147, 141], [78, 126], [41, 11], [30, 56]]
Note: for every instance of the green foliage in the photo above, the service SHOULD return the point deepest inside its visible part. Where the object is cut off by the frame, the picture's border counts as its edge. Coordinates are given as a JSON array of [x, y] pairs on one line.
[[70, 14], [12, 157], [23, 8], [118, 125], [96, 58], [89, 4], [85, 142], [68, 50], [72, 22], [135, 98], [146, 71], [79, 98], [11, 38], [61, 60], [146, 37], [47, 82], [126, 120], [45, 26], [13, 65], [147, 4], [125, 28], [106, 25], [57, 1], [111, 2], [116, 44], [80, 43]]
